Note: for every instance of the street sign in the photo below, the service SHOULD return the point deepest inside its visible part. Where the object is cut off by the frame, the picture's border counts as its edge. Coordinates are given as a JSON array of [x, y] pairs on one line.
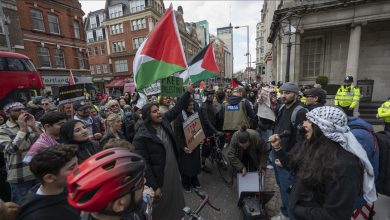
[[172, 86]]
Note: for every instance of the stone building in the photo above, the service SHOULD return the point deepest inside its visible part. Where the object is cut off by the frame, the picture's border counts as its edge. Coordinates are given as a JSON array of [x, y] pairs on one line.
[[96, 34], [10, 24], [55, 41], [226, 35], [334, 39]]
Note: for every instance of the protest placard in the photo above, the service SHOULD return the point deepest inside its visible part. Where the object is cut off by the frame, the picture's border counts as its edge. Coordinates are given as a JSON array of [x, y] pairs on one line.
[[172, 86], [193, 131], [69, 94], [153, 89]]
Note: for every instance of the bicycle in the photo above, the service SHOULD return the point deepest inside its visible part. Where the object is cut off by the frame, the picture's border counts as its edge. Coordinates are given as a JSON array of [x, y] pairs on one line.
[[194, 215], [225, 170]]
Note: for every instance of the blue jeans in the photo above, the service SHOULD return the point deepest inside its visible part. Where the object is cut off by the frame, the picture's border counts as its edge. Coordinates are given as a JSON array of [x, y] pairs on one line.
[[20, 190], [284, 181]]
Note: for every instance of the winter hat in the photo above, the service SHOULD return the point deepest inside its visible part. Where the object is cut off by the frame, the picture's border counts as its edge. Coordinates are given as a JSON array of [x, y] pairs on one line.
[[333, 123], [289, 87]]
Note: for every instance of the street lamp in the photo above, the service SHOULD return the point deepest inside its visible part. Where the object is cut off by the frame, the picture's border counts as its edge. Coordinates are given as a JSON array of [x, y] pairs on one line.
[[247, 48], [290, 23]]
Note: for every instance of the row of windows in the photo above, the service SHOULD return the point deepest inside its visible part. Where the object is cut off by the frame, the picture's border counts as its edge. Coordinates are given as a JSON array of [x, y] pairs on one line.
[[116, 11], [98, 69], [53, 22], [119, 46], [96, 51], [59, 56], [96, 35], [135, 25]]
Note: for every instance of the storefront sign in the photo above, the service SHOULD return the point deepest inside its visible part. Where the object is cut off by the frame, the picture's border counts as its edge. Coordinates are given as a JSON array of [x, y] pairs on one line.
[[172, 86], [68, 94], [193, 131], [64, 80]]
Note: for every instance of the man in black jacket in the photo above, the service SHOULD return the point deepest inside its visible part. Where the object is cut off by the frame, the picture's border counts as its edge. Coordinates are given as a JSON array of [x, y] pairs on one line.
[[48, 200]]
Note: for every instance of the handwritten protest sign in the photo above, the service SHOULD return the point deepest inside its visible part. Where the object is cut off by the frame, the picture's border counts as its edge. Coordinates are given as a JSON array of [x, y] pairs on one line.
[[172, 86], [153, 89], [69, 94], [193, 131]]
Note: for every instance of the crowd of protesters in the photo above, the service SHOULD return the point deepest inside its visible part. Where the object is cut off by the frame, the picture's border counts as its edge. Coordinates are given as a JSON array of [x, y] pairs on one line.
[[104, 158]]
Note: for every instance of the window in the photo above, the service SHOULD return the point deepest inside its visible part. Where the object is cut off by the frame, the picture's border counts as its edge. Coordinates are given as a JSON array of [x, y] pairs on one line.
[[44, 57], [137, 5], [53, 23], [89, 50], [138, 24], [1, 28], [98, 70], [92, 21], [118, 46], [96, 51], [102, 50], [80, 58], [312, 56], [90, 36], [60, 58], [37, 20], [115, 11], [117, 29], [137, 42], [105, 70], [121, 66], [99, 34], [76, 29], [91, 67]]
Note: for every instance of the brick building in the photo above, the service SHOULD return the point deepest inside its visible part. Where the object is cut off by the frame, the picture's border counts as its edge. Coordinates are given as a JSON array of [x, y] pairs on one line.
[[97, 49], [54, 39], [11, 23]]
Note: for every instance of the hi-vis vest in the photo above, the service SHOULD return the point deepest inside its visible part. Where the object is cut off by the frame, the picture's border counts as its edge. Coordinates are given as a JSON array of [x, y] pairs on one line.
[[384, 111], [303, 100], [235, 116], [347, 96]]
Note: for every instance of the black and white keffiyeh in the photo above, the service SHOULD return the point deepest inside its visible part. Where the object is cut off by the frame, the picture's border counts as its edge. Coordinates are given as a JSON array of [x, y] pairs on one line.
[[12, 105], [333, 122]]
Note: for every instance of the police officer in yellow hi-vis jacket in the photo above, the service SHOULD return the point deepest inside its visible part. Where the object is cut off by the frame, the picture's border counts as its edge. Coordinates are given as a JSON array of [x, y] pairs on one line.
[[384, 113], [347, 96]]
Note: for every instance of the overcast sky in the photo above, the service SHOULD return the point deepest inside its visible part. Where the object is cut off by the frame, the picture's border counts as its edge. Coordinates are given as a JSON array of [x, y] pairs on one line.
[[218, 14]]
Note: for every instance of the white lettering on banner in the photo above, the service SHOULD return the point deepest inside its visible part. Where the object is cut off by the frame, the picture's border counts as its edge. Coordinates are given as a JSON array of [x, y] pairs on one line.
[[233, 108], [153, 89], [64, 80]]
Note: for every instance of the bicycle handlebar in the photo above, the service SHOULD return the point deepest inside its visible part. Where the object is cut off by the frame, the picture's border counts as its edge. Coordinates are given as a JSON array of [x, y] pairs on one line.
[[205, 200]]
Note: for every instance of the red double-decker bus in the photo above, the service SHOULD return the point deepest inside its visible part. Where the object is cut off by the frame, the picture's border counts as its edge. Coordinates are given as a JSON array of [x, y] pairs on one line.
[[19, 80]]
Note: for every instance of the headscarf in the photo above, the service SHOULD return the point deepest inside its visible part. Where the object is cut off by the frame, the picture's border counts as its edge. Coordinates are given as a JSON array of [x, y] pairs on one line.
[[333, 123], [12, 105]]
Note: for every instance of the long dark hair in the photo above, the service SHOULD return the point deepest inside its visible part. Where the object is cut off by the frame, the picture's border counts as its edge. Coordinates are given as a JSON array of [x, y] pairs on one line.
[[315, 163], [66, 132]]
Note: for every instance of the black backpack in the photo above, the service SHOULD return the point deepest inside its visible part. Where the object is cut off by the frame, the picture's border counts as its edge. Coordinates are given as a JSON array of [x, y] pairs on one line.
[[382, 139], [383, 181]]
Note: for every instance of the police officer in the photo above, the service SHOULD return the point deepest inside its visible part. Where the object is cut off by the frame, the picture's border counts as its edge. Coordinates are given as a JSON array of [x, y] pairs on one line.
[[384, 113], [347, 96]]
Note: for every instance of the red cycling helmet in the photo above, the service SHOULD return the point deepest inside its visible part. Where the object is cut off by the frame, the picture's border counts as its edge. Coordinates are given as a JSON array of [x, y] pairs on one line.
[[104, 177]]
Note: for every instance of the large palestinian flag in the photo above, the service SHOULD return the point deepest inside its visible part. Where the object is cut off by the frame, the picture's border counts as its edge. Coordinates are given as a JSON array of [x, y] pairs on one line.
[[161, 54], [202, 66]]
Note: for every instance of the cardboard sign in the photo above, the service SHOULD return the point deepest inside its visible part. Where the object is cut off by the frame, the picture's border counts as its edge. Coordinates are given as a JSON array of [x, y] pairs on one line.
[[69, 94], [153, 89], [172, 86], [193, 131]]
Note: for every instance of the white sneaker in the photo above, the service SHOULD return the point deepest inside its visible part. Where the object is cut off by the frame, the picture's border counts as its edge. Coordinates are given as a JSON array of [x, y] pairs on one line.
[[280, 216]]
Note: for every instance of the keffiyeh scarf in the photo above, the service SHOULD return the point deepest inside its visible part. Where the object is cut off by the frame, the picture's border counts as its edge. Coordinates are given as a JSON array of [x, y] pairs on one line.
[[333, 123]]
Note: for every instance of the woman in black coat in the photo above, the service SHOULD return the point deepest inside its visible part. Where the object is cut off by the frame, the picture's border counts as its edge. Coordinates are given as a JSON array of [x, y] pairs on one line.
[[75, 132], [328, 168], [155, 142], [189, 160]]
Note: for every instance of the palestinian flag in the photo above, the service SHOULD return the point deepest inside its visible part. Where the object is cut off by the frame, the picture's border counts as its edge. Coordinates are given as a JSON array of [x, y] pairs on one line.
[[202, 66], [161, 54]]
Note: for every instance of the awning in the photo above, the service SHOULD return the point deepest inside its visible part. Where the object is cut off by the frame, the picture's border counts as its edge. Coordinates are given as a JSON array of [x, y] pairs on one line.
[[116, 83]]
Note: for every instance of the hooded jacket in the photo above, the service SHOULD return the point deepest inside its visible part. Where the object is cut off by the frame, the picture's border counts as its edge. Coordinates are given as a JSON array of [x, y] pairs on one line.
[[49, 207], [250, 113]]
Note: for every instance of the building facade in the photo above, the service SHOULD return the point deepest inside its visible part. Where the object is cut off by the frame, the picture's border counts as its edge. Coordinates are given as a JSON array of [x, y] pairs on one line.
[[10, 29], [202, 30], [54, 38], [260, 64], [226, 35], [336, 39], [96, 34]]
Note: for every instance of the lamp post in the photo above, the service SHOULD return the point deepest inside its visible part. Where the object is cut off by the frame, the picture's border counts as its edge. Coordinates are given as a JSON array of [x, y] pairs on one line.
[[289, 21], [247, 48]]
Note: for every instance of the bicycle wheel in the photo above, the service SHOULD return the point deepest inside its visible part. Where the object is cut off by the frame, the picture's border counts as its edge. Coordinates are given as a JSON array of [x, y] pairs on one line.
[[225, 169]]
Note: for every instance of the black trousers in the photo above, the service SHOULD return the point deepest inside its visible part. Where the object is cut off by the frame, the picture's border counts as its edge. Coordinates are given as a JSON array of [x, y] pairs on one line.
[[348, 111], [387, 127]]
